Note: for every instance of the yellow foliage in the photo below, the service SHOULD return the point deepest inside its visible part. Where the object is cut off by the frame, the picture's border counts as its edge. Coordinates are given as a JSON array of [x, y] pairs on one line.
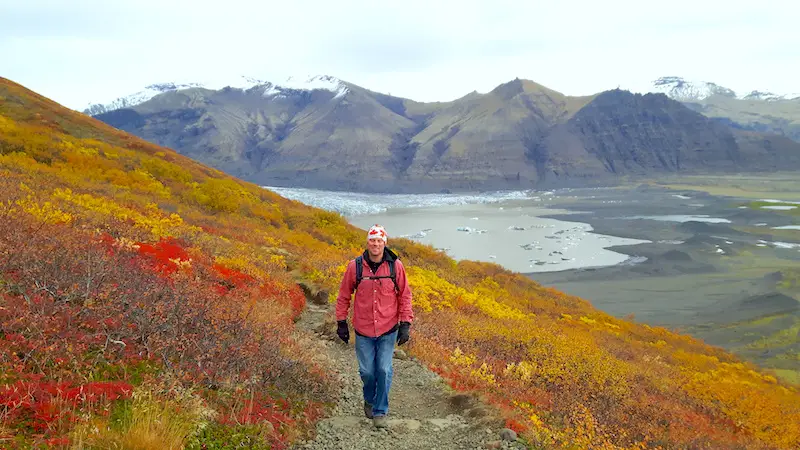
[[165, 170], [486, 296], [278, 261], [523, 370], [752, 400], [156, 223], [19, 160], [145, 182], [223, 195], [46, 212], [460, 359], [587, 320], [430, 291], [484, 373], [659, 343], [238, 263], [580, 362], [7, 125]]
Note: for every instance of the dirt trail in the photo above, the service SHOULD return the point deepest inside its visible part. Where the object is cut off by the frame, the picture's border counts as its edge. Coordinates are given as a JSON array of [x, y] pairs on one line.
[[423, 414]]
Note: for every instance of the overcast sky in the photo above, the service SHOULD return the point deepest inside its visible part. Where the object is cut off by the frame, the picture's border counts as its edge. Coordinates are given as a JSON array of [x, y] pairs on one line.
[[81, 51]]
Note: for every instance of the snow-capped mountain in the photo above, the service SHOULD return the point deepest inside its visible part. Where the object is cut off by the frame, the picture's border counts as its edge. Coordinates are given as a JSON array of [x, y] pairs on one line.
[[769, 96], [290, 86], [683, 90], [138, 97], [679, 89], [322, 82]]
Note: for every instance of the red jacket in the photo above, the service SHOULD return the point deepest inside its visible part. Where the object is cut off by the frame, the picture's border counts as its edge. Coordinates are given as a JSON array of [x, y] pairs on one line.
[[377, 308]]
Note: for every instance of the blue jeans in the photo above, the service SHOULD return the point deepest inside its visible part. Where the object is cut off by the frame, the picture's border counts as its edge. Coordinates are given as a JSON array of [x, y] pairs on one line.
[[375, 367]]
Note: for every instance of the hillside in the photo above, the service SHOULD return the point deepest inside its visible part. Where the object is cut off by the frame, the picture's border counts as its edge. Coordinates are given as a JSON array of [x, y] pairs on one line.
[[756, 111], [780, 117], [519, 135], [145, 297]]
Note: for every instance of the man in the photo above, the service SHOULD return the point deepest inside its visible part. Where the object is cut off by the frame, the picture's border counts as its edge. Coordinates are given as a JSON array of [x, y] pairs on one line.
[[382, 315]]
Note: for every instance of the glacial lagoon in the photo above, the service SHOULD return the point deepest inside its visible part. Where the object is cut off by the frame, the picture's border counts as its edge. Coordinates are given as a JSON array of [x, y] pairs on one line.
[[506, 228]]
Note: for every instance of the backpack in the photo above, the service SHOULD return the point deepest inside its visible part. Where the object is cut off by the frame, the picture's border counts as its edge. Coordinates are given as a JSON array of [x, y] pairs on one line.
[[360, 276]]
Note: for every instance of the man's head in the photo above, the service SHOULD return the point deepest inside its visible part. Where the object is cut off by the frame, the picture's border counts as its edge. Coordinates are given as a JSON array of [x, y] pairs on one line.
[[376, 240]]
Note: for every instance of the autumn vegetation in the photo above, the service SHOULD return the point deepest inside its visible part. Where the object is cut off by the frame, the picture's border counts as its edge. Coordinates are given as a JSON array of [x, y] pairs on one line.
[[148, 301]]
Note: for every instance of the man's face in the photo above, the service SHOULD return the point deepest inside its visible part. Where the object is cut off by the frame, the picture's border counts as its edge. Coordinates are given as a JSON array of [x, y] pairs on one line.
[[375, 246]]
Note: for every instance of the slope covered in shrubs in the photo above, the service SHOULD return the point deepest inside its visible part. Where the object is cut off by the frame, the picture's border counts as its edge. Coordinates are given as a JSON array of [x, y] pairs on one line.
[[136, 283]]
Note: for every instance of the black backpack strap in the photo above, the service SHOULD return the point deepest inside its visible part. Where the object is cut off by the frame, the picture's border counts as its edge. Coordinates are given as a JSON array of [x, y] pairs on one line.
[[359, 271], [392, 274]]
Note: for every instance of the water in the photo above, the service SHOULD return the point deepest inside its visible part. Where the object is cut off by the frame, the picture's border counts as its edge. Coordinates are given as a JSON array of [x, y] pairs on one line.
[[502, 227], [356, 203], [683, 218], [780, 207]]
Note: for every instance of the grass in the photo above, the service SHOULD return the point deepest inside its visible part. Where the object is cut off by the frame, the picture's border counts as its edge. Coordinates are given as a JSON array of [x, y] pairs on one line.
[[778, 186], [791, 376], [145, 422], [786, 336], [794, 211], [766, 232], [780, 115]]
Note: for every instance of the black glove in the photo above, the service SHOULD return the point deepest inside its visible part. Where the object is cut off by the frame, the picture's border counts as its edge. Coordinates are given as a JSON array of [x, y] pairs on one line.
[[343, 331], [403, 332]]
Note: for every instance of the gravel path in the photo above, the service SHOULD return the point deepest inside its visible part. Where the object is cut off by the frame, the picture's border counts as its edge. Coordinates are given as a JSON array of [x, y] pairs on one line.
[[423, 412]]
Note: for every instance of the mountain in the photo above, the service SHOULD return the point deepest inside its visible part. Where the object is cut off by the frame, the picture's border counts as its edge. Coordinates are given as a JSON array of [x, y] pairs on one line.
[[290, 85], [683, 90], [147, 298], [137, 98], [679, 89], [756, 111], [337, 135]]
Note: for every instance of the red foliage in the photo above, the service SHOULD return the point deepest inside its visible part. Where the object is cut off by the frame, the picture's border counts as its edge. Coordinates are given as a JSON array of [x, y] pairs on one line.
[[77, 309], [232, 278], [39, 405], [259, 408], [291, 296], [165, 254]]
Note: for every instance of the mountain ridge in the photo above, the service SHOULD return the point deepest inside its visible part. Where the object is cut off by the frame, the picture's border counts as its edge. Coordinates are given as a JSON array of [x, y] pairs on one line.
[[512, 137], [243, 82], [684, 90], [675, 87]]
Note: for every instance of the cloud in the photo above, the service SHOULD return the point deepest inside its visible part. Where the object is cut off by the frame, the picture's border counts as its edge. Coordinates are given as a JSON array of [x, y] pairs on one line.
[[93, 50]]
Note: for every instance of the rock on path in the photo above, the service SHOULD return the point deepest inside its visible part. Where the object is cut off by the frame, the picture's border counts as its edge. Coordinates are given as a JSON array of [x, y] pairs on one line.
[[423, 412]]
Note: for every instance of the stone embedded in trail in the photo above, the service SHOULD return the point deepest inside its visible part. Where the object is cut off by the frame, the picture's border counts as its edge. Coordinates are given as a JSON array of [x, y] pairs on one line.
[[449, 421], [313, 294], [344, 422], [462, 401], [477, 411], [410, 424], [508, 434]]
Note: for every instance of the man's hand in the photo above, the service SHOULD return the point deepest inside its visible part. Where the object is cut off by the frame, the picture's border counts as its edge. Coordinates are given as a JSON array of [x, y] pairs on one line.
[[403, 333], [343, 331]]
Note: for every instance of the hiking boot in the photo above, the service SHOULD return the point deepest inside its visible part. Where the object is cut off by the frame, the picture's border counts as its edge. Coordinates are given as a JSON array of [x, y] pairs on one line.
[[368, 410], [380, 421]]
